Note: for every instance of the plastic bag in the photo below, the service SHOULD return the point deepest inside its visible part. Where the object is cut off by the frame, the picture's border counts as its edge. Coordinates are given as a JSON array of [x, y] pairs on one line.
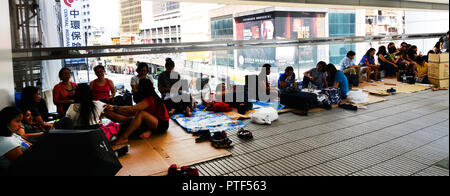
[[357, 97], [265, 116]]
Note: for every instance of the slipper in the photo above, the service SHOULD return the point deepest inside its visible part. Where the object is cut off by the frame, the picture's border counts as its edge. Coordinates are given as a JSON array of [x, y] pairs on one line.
[[189, 171], [203, 137], [173, 171], [245, 134], [122, 151], [226, 143], [200, 132]]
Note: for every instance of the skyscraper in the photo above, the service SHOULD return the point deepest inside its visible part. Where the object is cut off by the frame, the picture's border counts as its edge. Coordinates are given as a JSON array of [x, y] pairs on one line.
[[130, 16], [86, 17]]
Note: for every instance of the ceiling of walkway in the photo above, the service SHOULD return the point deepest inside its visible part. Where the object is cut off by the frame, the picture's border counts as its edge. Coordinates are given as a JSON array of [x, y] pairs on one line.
[[344, 4]]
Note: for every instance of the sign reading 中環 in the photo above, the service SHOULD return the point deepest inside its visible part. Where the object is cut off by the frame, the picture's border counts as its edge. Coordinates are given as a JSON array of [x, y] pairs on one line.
[[72, 23]]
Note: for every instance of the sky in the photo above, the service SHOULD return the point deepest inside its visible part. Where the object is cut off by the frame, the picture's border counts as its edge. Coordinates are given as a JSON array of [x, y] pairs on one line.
[[105, 13]]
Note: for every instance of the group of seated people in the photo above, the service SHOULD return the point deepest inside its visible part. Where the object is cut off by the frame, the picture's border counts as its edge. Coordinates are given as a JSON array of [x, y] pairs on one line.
[[80, 106], [83, 106], [395, 62]]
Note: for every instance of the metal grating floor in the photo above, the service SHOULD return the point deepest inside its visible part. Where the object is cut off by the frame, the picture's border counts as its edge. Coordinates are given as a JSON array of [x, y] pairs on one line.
[[404, 136]]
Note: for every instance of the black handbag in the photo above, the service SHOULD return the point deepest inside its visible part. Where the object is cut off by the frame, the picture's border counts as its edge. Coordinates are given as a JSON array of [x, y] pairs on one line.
[[68, 153]]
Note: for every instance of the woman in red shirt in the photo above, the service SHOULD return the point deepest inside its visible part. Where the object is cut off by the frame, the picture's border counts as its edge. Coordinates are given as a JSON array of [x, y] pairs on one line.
[[102, 87], [151, 113], [64, 91]]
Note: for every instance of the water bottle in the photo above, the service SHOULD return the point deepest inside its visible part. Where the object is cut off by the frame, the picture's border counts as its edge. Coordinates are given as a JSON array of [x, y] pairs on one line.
[[404, 78]]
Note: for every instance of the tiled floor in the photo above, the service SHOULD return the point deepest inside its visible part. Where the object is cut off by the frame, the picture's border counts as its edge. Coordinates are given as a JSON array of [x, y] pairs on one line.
[[406, 135]]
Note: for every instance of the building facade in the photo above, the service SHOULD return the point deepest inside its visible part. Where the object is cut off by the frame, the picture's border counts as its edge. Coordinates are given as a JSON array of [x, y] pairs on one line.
[[341, 23], [86, 18], [130, 16], [163, 25]]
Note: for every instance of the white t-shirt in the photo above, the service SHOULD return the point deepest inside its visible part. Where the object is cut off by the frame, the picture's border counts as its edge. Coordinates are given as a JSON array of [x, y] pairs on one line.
[[135, 80], [74, 112], [7, 144]]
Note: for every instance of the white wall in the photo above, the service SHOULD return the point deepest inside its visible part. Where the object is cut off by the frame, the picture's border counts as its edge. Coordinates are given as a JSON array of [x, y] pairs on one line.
[[6, 68], [426, 22]]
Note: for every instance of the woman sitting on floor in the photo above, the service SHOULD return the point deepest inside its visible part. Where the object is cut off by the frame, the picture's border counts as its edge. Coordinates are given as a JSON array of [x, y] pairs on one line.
[[386, 62], [12, 145], [143, 71], [64, 91], [316, 77], [85, 112], [102, 87], [340, 80], [368, 65], [29, 129], [31, 101], [412, 54], [287, 81], [291, 95], [151, 113]]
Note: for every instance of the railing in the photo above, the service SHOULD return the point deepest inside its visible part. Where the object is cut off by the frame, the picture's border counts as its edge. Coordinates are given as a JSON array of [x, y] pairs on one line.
[[142, 49]]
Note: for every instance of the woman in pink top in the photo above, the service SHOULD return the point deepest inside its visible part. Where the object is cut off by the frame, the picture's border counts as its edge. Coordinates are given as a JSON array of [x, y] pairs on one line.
[[102, 87]]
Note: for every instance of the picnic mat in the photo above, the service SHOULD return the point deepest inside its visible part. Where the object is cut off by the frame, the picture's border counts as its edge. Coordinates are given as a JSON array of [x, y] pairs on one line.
[[153, 156], [214, 122]]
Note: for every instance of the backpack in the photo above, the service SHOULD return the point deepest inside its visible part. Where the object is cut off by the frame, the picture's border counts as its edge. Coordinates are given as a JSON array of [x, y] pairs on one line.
[[126, 99]]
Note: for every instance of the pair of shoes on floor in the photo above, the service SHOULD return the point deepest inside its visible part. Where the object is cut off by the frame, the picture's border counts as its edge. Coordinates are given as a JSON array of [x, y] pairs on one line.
[[182, 172], [221, 140], [392, 91], [245, 134], [203, 136], [122, 151]]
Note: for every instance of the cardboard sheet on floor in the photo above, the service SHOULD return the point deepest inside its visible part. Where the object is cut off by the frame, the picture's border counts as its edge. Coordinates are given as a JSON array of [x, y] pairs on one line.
[[152, 157], [379, 88]]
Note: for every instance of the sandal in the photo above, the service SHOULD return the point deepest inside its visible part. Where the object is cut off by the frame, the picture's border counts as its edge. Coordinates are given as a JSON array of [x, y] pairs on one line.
[[220, 140], [245, 134], [203, 137], [226, 143], [219, 136], [122, 151], [189, 172]]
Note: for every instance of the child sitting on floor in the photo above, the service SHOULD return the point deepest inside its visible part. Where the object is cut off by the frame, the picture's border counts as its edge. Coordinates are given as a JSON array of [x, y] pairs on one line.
[[421, 71], [12, 145]]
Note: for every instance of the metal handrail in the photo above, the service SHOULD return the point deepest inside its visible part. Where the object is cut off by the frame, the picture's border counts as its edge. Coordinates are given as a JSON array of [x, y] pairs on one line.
[[37, 54]]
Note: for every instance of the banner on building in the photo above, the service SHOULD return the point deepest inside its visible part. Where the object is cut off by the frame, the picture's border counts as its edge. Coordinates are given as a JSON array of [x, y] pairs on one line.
[[72, 23]]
